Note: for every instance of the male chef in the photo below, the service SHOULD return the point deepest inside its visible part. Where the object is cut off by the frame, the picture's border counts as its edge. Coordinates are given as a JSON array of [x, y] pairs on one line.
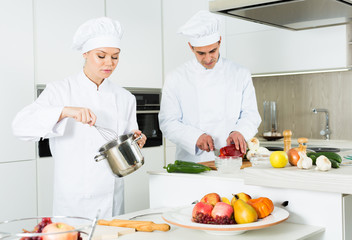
[[208, 102]]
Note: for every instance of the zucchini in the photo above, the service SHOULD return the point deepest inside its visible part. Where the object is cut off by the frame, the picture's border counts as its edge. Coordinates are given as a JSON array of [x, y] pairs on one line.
[[184, 168]]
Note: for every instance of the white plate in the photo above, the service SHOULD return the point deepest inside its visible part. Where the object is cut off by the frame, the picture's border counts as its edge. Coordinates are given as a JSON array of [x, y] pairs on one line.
[[183, 218]]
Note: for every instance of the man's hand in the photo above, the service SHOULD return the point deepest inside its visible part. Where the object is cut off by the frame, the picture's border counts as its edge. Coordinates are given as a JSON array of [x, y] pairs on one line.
[[239, 141], [80, 114], [205, 142]]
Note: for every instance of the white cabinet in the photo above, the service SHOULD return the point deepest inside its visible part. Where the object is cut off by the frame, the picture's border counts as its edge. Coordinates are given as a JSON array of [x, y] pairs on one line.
[[137, 184], [347, 216], [45, 178], [17, 75], [55, 25], [175, 46], [140, 62], [18, 190], [265, 49], [170, 152]]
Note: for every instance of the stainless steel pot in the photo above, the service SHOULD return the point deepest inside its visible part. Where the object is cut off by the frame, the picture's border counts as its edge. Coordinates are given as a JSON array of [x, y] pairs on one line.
[[123, 154]]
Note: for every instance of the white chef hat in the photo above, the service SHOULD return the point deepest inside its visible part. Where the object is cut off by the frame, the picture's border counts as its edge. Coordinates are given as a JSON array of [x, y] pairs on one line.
[[98, 32], [202, 29]]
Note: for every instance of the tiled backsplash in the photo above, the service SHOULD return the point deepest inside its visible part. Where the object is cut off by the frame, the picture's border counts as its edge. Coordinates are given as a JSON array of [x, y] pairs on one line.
[[297, 95]]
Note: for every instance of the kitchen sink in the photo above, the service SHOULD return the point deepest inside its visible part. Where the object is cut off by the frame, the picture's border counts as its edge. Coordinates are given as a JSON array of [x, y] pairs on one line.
[[315, 149], [324, 149]]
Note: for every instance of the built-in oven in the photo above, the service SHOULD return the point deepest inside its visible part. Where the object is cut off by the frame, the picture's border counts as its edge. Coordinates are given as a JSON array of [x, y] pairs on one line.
[[148, 107]]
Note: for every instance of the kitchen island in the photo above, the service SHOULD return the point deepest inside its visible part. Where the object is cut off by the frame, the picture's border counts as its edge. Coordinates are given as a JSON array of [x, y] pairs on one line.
[[314, 198]]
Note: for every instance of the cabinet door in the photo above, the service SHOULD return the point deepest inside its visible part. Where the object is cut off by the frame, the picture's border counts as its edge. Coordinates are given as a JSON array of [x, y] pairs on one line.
[[45, 176], [175, 46], [17, 75], [18, 191], [55, 25], [140, 62], [279, 50], [137, 184], [347, 216]]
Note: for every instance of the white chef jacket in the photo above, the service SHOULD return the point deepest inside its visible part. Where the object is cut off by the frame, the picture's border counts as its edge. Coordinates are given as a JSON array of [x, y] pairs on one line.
[[81, 185], [217, 101]]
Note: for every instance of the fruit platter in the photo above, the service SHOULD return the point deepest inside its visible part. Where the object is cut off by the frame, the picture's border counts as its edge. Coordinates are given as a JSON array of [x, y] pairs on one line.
[[47, 228], [219, 216]]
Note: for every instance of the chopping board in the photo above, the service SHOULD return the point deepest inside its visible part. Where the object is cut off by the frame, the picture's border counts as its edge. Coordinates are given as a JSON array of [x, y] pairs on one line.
[[211, 164], [108, 232]]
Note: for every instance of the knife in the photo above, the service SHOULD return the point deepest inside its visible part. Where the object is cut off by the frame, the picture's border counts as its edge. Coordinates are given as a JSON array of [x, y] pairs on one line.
[[216, 152]]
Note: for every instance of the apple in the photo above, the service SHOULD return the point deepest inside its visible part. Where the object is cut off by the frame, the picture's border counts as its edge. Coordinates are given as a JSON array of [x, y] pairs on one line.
[[59, 227], [202, 207], [212, 198], [222, 209]]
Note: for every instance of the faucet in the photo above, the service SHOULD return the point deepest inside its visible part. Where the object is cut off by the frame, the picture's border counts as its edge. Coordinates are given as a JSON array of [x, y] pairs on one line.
[[325, 132]]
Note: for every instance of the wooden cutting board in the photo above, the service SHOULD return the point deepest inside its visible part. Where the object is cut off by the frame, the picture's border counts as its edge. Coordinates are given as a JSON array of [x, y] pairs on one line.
[[211, 164], [108, 232]]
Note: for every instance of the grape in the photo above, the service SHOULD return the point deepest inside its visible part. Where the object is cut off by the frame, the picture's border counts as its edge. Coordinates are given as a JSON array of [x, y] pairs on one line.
[[39, 228], [207, 219]]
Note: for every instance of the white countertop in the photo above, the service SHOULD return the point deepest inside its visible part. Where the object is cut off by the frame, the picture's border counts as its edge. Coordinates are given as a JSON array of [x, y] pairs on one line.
[[281, 231], [342, 144], [337, 180]]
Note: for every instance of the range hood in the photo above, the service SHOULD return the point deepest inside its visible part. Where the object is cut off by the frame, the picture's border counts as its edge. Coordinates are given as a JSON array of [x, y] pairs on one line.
[[288, 14]]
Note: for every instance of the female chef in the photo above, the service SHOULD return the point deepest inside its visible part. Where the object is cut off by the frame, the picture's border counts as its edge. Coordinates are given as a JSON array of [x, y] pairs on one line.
[[65, 113]]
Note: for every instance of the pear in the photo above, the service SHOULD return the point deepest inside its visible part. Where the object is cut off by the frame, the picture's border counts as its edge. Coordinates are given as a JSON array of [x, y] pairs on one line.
[[244, 196], [244, 213]]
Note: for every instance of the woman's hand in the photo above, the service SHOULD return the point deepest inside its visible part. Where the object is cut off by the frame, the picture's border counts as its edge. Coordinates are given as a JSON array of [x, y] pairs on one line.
[[141, 141], [80, 114]]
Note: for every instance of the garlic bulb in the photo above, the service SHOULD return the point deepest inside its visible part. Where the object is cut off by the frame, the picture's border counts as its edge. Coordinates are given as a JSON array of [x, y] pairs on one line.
[[323, 163], [263, 150], [304, 162], [250, 154], [253, 144]]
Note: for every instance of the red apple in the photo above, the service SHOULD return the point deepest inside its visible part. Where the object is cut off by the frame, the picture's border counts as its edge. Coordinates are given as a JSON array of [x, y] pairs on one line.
[[202, 212], [59, 227], [212, 198], [222, 209], [223, 213]]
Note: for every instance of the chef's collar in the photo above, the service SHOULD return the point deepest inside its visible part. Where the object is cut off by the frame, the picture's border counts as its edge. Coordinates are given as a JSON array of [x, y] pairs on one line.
[[90, 84]]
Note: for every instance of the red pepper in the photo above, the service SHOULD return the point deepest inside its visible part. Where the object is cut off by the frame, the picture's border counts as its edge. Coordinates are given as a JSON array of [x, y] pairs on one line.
[[230, 151]]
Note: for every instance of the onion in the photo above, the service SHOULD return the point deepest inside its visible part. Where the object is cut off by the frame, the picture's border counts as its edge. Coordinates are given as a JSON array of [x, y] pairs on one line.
[[293, 156]]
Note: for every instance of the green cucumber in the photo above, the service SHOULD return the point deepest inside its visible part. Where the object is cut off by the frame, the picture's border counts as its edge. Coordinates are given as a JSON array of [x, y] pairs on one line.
[[334, 164], [184, 168], [186, 163], [330, 155], [312, 156]]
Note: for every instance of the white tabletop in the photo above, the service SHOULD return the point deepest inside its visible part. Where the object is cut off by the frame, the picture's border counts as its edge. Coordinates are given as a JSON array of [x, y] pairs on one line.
[[281, 231]]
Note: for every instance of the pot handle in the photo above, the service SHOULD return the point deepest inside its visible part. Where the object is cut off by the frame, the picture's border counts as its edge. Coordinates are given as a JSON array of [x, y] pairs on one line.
[[138, 138], [99, 157]]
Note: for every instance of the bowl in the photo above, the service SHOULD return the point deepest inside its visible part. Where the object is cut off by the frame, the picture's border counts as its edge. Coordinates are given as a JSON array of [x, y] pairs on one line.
[[260, 159], [14, 229], [228, 164]]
